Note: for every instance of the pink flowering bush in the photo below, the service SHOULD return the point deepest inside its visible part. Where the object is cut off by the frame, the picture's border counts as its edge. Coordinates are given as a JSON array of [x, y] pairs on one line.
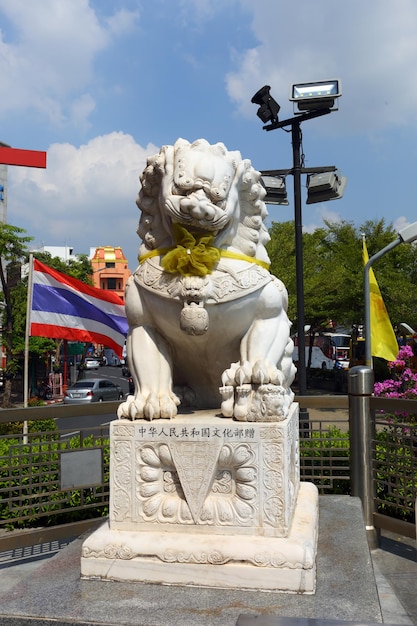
[[403, 381], [396, 443]]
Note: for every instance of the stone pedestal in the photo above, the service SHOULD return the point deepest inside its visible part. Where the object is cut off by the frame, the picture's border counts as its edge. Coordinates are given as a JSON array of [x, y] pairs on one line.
[[207, 501]]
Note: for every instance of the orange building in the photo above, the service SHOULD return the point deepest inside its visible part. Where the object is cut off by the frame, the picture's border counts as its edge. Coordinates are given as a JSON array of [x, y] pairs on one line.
[[110, 269]]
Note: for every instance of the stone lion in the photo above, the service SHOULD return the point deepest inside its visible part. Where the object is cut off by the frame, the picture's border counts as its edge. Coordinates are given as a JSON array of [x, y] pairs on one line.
[[208, 322]]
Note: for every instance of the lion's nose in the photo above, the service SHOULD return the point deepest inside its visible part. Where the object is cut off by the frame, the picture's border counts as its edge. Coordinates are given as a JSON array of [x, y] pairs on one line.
[[198, 209]]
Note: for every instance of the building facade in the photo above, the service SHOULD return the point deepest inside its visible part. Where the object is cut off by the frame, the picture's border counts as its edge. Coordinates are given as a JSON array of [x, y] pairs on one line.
[[65, 253], [110, 269]]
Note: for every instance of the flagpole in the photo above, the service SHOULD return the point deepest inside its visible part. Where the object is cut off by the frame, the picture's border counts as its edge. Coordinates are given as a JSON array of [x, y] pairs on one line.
[[367, 303], [65, 364], [367, 306], [27, 332]]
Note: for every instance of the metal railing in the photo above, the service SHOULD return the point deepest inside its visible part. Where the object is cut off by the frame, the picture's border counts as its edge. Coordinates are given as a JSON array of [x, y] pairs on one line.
[[394, 464], [50, 478], [324, 443]]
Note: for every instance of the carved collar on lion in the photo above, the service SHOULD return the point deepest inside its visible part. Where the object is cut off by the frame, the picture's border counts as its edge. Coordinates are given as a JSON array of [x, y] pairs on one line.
[[200, 203], [194, 255]]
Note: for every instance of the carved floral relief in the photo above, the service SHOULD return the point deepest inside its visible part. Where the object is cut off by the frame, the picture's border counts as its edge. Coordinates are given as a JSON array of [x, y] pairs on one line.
[[170, 488]]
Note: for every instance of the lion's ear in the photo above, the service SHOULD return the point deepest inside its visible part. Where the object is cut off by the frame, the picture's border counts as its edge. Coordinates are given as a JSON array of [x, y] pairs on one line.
[[151, 224]]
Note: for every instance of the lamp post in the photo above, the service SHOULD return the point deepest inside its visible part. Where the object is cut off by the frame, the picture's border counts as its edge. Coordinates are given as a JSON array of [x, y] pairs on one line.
[[299, 264], [313, 100], [408, 234]]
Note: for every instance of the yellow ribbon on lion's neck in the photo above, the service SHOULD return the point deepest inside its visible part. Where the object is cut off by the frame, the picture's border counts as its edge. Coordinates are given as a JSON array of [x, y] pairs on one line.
[[194, 255]]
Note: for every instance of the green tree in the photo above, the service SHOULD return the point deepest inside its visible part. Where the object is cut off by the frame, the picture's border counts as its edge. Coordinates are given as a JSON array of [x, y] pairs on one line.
[[13, 249], [13, 243], [78, 267], [281, 250], [333, 271], [396, 273]]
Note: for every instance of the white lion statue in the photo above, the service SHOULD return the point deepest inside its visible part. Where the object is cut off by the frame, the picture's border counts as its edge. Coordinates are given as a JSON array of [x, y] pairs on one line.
[[208, 322]]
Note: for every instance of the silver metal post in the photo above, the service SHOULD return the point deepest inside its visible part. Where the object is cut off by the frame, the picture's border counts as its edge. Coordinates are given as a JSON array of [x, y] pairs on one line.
[[361, 429]]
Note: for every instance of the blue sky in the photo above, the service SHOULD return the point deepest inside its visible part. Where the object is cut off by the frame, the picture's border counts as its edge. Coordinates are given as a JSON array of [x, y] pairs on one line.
[[102, 84]]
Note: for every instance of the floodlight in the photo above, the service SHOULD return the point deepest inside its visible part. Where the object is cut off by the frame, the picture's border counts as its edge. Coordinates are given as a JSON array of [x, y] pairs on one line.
[[318, 95], [408, 234], [276, 192], [325, 186], [269, 108]]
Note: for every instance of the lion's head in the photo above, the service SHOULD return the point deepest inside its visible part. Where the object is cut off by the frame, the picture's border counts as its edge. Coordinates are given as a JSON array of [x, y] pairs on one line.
[[204, 188]]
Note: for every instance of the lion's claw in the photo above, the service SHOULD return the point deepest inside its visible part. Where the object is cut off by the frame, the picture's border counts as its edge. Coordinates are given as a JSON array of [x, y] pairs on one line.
[[154, 407]]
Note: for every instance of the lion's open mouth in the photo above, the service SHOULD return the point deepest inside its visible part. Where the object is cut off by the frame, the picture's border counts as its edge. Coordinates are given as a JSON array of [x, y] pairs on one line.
[[197, 210]]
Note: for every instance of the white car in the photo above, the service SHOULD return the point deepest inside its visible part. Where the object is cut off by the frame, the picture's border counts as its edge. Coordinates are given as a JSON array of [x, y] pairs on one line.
[[91, 364]]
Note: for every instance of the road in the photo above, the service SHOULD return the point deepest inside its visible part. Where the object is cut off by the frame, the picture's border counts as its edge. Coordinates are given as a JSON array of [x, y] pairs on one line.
[[71, 425], [85, 423]]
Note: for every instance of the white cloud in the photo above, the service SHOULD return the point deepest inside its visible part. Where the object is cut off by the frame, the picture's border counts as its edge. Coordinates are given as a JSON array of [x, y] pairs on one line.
[[370, 45], [122, 22], [48, 67], [203, 10], [328, 215], [310, 228], [322, 213], [85, 197], [81, 109], [401, 222]]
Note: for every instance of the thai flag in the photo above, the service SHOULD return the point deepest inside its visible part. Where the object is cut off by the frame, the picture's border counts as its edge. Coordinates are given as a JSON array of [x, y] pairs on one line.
[[63, 307]]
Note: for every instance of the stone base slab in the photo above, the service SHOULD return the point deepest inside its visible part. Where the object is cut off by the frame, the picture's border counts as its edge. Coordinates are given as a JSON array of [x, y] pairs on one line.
[[286, 564]]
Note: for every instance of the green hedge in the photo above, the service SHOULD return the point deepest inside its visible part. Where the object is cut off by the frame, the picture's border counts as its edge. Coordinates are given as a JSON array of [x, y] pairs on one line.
[[324, 461], [396, 472], [322, 452], [30, 481]]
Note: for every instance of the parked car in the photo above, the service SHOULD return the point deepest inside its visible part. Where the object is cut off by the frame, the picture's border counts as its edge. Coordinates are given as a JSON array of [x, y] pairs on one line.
[[92, 390]]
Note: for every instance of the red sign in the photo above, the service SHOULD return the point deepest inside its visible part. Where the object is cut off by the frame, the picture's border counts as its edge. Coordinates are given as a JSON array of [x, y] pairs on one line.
[[28, 158]]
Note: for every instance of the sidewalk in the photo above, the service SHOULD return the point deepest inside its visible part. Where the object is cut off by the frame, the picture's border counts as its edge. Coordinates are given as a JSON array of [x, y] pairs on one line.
[[353, 585], [395, 567]]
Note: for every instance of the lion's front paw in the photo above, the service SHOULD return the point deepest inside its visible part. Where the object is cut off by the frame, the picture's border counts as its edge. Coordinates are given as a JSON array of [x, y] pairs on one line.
[[264, 372], [157, 407], [131, 409], [258, 373], [151, 407], [254, 392]]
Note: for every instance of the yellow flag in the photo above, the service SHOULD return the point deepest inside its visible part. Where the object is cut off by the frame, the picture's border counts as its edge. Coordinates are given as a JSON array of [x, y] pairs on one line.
[[383, 341]]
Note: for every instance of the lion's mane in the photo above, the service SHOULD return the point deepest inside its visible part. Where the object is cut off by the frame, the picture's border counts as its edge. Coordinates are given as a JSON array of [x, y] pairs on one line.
[[244, 232]]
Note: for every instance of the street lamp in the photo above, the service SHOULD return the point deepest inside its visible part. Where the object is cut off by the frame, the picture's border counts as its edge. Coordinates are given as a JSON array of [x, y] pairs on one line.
[[325, 186], [276, 191], [318, 95], [313, 100], [408, 234]]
